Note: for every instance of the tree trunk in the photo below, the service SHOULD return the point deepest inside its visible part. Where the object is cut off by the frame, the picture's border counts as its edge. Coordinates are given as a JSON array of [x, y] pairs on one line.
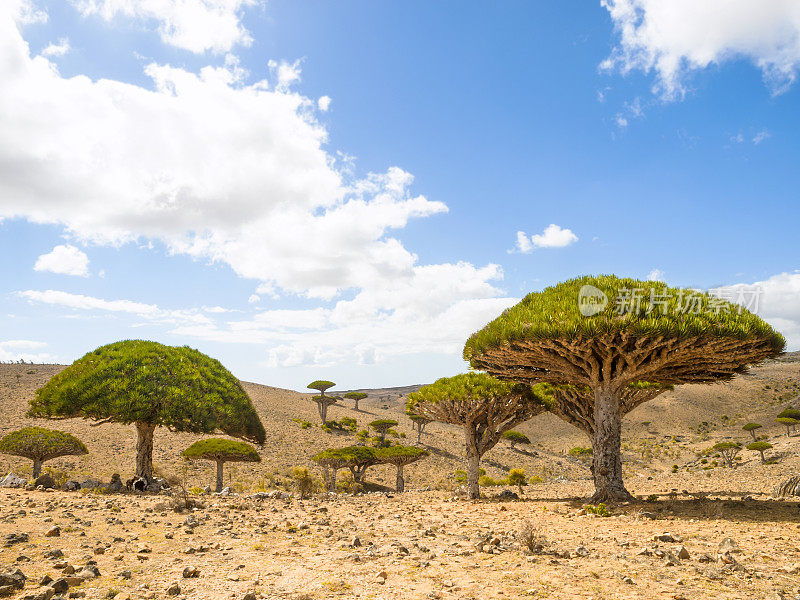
[[419, 433], [753, 433], [606, 442], [333, 480], [473, 463], [323, 411], [356, 404], [220, 477], [37, 468], [763, 460], [144, 451], [400, 486]]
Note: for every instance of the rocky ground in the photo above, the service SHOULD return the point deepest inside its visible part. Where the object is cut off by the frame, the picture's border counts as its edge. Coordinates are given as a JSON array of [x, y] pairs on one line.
[[414, 545]]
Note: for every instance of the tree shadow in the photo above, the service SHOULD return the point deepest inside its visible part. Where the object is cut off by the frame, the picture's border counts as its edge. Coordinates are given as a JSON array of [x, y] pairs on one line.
[[438, 451]]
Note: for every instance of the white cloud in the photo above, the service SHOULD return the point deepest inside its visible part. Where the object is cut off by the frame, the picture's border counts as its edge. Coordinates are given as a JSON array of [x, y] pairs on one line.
[[16, 350], [775, 300], [324, 103], [194, 25], [761, 136], [254, 298], [678, 37], [656, 275], [64, 259], [80, 302], [553, 236], [234, 173], [59, 49]]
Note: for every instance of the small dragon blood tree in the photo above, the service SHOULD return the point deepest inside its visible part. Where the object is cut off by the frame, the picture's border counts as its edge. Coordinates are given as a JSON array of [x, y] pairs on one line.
[[150, 385], [221, 451], [40, 444], [355, 397], [624, 340], [356, 458], [419, 423], [400, 456], [484, 406], [323, 400]]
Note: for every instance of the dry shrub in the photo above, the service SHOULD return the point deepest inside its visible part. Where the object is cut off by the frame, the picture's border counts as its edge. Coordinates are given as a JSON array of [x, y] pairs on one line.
[[532, 539]]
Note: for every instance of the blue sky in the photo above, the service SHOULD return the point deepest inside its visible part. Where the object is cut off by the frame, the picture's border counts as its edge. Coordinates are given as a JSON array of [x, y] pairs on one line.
[[346, 190]]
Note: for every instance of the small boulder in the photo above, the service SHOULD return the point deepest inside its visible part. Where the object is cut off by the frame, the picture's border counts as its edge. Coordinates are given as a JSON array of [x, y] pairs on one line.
[[54, 531], [191, 573], [72, 486], [13, 481], [115, 485], [173, 589], [46, 481], [728, 545]]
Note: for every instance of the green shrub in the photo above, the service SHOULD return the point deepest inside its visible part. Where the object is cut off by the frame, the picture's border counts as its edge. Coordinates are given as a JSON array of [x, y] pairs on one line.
[[580, 451], [535, 479], [517, 477], [600, 510], [305, 483], [487, 481], [460, 476]]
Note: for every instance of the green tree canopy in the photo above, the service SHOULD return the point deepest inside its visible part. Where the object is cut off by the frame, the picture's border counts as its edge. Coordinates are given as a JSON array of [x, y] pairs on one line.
[[40, 445], [759, 447], [485, 407], [608, 333], [221, 450], [751, 428], [516, 437], [356, 397], [151, 385], [789, 423], [517, 477], [400, 456], [322, 400], [382, 426], [355, 458], [728, 450]]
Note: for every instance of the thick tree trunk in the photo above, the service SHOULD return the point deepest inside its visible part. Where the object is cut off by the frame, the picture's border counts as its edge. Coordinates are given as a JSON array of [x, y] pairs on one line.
[[473, 463], [220, 478], [144, 451], [763, 460], [606, 442], [419, 433], [37, 468], [356, 404], [400, 486], [323, 411]]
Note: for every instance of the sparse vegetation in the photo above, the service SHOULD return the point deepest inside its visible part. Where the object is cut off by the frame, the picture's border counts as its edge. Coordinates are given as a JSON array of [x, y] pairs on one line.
[[40, 445]]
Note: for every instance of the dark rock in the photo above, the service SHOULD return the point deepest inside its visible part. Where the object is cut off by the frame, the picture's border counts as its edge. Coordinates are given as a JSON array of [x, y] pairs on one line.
[[46, 481], [72, 486], [60, 585], [115, 485], [15, 538], [14, 580]]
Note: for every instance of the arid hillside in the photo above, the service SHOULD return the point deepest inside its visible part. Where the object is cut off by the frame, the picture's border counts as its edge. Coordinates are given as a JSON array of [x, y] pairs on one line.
[[671, 430]]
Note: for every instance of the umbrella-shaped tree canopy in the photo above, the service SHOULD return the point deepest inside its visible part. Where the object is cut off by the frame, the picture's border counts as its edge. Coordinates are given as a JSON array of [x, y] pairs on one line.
[[40, 445], [221, 450], [151, 385], [400, 456], [608, 334]]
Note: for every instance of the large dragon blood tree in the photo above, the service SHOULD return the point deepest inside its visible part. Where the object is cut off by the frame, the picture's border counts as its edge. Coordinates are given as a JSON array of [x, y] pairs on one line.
[[483, 406], [150, 385], [607, 344]]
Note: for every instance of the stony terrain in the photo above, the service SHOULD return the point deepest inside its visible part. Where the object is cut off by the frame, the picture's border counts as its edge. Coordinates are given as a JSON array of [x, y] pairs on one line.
[[427, 543]]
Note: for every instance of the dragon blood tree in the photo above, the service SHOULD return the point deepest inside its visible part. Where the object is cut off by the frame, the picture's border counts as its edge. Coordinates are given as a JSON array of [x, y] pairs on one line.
[[400, 456], [40, 445], [612, 336], [355, 397], [356, 458], [382, 427], [221, 451], [150, 385], [419, 423], [323, 400], [483, 406]]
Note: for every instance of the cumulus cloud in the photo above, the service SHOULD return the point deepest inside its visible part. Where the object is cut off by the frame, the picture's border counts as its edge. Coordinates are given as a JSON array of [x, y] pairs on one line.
[[16, 350], [194, 25], [774, 299], [656, 275], [80, 302], [64, 259], [673, 39], [59, 49], [324, 103], [553, 236], [231, 172]]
